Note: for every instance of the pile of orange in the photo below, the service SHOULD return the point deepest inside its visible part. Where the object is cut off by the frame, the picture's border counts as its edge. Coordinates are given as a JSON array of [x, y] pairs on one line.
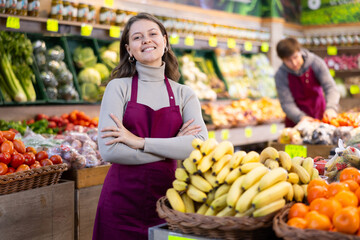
[[332, 207]]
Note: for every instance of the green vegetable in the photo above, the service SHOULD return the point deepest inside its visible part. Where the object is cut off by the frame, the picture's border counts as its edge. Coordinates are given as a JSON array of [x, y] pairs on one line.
[[26, 78], [84, 57], [109, 58], [114, 46], [89, 92], [104, 72], [89, 75]]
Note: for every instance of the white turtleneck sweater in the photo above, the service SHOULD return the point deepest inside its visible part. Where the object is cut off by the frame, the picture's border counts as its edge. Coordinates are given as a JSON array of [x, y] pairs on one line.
[[153, 93]]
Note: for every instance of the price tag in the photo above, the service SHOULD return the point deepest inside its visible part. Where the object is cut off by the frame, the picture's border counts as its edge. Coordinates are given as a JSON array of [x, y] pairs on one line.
[[52, 25], [273, 128], [172, 237], [332, 72], [174, 39], [13, 22], [264, 47], [225, 134], [296, 150], [86, 30], [354, 89], [211, 134], [248, 132], [248, 46], [109, 3], [189, 40], [231, 43], [332, 50], [114, 32], [212, 41]]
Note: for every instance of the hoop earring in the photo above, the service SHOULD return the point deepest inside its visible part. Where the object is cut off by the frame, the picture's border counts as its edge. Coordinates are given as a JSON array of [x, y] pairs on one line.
[[131, 59], [166, 49]]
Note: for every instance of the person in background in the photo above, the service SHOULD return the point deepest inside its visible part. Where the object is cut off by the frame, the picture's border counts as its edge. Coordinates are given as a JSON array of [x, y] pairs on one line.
[[301, 82], [146, 121]]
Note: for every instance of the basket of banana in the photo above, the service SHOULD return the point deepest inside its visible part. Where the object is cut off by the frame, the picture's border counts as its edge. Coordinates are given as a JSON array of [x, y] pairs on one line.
[[221, 194]]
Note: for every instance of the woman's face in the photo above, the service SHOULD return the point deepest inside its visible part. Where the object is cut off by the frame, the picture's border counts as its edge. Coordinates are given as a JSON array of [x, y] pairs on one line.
[[146, 43]]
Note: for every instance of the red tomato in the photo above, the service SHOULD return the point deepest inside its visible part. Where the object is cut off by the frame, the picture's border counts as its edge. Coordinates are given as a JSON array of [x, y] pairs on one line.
[[7, 146], [29, 158], [11, 170], [22, 167], [19, 146], [35, 165], [31, 149], [56, 159], [41, 155], [3, 168], [5, 157], [46, 162], [52, 124], [9, 135], [41, 116], [17, 160]]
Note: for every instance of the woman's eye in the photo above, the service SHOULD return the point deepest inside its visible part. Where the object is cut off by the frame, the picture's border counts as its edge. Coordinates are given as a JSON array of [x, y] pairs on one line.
[[135, 38]]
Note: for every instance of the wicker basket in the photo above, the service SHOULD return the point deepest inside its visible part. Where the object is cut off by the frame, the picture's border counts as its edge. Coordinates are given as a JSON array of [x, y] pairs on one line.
[[286, 232], [216, 227], [30, 179]]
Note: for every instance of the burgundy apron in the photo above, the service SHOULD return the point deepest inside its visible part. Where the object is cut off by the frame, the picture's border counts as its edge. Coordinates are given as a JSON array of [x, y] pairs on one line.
[[127, 205], [308, 95]]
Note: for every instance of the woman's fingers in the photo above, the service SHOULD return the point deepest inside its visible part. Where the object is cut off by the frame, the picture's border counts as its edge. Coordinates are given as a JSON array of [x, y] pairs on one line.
[[185, 125], [116, 120], [113, 129], [112, 141], [110, 134]]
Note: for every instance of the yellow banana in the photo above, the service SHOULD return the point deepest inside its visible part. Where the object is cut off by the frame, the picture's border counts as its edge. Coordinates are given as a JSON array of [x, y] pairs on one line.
[[196, 143], [223, 189], [253, 176], [271, 164], [270, 208], [269, 152], [220, 178], [210, 212], [303, 174], [304, 187], [179, 185], [226, 212], [202, 209], [189, 204], [175, 200], [207, 146], [219, 203], [247, 213], [298, 193], [315, 174], [235, 192], [190, 166], [195, 194], [273, 177], [244, 201], [210, 178], [290, 196], [236, 159], [223, 148], [247, 167], [216, 168], [271, 194], [181, 174], [200, 183], [195, 156], [251, 156], [210, 197], [293, 178], [233, 175], [206, 163], [308, 164], [297, 160], [285, 160]]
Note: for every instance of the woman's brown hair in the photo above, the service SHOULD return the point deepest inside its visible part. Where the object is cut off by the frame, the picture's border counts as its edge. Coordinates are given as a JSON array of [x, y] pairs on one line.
[[287, 47], [127, 68]]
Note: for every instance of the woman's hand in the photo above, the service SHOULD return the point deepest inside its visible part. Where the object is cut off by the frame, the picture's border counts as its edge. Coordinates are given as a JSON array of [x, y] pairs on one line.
[[330, 114], [122, 135], [186, 129]]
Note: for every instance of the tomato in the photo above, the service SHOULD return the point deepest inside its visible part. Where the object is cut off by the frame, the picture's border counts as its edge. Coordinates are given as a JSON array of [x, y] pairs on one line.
[[52, 124], [7, 146], [22, 167], [19, 146], [41, 116], [31, 149], [35, 165], [56, 159], [30, 121], [41, 155], [29, 158], [3, 168], [2, 139], [5, 157], [17, 160], [9, 135], [46, 162]]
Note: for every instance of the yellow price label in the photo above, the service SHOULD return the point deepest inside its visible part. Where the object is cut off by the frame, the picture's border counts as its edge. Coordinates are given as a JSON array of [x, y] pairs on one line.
[[211, 134], [172, 237], [332, 50], [231, 43], [86, 30], [189, 40], [174, 39], [13, 22], [354, 89], [248, 132], [225, 134], [296, 150], [114, 32], [109, 3], [248, 46], [212, 41], [52, 25], [264, 47], [332, 72], [273, 128]]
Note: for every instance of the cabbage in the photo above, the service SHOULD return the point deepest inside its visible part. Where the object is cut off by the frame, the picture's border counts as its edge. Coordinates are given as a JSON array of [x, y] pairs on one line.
[[89, 75], [103, 70], [84, 57], [89, 92], [115, 46]]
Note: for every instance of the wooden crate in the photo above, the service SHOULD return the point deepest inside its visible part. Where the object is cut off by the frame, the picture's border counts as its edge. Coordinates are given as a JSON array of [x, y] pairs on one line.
[[87, 177], [312, 150], [38, 214]]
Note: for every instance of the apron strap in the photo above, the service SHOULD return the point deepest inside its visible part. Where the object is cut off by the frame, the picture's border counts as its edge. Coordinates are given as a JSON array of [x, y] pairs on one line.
[[134, 88], [170, 92]]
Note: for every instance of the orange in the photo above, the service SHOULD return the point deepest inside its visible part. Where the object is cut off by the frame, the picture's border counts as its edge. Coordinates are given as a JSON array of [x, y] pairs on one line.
[[347, 198], [298, 210], [318, 221], [297, 222], [337, 187], [352, 184], [317, 182], [350, 173], [316, 203], [347, 220], [316, 192], [329, 207], [357, 193]]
